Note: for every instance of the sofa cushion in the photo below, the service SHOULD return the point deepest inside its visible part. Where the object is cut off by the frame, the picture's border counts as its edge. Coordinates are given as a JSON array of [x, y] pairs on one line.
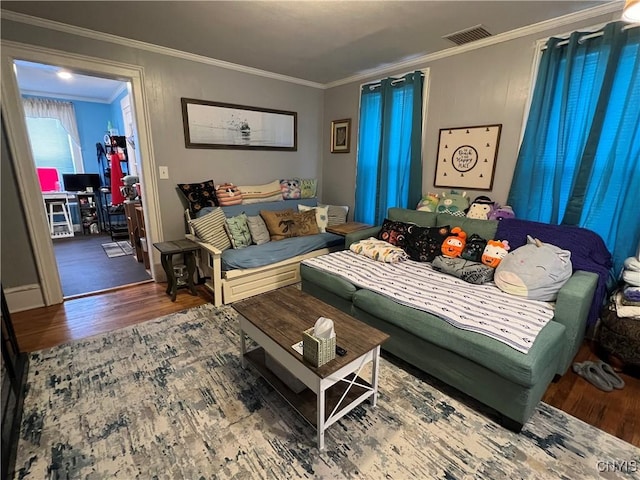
[[308, 187], [290, 188], [305, 223], [279, 223], [258, 229], [485, 228], [210, 229], [273, 252], [322, 215], [423, 243], [269, 192], [424, 219], [238, 231], [199, 195], [336, 285], [394, 232], [498, 357]]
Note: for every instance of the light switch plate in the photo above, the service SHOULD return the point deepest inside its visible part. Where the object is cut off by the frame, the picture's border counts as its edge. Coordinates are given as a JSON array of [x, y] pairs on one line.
[[164, 173]]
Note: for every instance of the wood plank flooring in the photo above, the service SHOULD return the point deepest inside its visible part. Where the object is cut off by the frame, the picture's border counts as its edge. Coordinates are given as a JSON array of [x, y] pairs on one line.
[[617, 412]]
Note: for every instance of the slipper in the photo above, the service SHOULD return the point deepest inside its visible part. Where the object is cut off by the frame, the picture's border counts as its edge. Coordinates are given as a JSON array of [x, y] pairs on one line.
[[592, 374], [609, 373]]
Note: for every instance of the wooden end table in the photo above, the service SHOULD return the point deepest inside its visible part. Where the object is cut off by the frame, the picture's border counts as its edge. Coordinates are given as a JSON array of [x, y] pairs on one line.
[[275, 321], [167, 250], [346, 228]]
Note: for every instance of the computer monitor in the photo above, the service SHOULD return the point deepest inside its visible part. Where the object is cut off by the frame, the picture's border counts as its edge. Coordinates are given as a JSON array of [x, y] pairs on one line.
[[78, 182]]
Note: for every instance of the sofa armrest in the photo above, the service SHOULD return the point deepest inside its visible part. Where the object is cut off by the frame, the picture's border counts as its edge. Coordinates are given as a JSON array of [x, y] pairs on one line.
[[572, 308], [210, 263], [360, 235]]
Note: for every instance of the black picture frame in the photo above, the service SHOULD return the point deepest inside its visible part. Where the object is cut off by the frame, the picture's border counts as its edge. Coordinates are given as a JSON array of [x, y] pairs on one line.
[[221, 125]]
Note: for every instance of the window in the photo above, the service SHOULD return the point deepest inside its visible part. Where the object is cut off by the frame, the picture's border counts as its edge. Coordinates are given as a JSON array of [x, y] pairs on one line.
[[52, 146]]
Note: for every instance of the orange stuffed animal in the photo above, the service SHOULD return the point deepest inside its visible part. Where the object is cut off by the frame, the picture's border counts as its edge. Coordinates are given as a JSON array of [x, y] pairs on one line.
[[454, 244], [494, 252]]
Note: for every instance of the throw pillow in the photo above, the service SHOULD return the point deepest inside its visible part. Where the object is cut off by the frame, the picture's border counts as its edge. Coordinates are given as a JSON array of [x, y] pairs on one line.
[[337, 214], [258, 229], [228, 194], [308, 187], [424, 243], [536, 270], [473, 248], [394, 232], [322, 215], [238, 231], [199, 195], [472, 272], [280, 223], [269, 192], [305, 223], [210, 229], [378, 250], [290, 189]]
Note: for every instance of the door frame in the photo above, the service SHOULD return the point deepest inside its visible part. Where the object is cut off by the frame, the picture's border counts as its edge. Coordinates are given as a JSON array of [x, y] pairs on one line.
[[26, 177]]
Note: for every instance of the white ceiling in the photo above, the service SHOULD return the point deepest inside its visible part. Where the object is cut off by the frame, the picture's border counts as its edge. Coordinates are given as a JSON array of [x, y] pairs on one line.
[[316, 41]]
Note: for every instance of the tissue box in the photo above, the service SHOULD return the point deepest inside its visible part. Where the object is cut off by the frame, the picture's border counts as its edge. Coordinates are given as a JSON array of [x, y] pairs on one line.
[[317, 351]]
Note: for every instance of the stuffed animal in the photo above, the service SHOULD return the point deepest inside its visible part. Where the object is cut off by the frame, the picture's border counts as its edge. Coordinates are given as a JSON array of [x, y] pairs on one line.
[[480, 208], [454, 203], [536, 270], [428, 203], [500, 213], [474, 248], [494, 252], [454, 244]]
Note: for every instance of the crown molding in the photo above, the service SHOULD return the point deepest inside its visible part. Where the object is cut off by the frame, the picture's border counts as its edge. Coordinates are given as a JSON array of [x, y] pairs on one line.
[[149, 47], [77, 98], [608, 8], [117, 93], [611, 7]]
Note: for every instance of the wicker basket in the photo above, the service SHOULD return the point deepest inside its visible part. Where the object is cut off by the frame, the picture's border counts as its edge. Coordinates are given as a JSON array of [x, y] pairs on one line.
[[317, 351]]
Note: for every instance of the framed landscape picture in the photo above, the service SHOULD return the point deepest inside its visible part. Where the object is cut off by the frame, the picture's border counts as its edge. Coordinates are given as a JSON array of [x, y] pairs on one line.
[[341, 136], [467, 157], [225, 125]]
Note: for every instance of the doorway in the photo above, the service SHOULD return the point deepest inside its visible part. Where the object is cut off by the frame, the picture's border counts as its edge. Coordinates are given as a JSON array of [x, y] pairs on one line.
[[78, 134], [48, 291]]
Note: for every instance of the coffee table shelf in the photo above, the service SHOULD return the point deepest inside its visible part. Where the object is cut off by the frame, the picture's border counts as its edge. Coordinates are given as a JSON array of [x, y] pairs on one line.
[[305, 402]]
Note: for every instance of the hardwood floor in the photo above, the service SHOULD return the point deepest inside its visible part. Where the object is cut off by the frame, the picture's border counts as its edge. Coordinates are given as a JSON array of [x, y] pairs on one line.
[[616, 412]]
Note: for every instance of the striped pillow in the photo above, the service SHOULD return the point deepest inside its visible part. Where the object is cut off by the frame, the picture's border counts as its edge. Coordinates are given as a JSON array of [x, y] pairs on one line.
[[210, 229]]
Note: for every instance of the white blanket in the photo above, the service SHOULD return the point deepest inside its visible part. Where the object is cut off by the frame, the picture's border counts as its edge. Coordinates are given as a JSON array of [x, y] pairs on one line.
[[483, 309]]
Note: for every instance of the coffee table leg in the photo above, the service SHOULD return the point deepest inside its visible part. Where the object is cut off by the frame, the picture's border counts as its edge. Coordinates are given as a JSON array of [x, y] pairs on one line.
[[320, 423], [374, 375]]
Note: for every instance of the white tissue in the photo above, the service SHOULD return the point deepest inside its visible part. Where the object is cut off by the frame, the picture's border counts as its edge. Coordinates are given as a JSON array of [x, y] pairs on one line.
[[324, 328]]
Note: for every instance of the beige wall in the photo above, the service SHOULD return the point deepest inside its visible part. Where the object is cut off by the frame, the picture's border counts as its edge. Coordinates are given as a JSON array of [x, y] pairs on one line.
[[488, 85]]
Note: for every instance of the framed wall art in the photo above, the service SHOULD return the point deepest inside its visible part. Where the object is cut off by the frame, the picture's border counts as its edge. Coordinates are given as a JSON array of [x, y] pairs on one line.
[[341, 136], [225, 125], [467, 157]]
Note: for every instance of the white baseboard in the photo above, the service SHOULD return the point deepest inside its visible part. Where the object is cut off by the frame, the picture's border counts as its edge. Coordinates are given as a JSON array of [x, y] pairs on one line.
[[25, 297]]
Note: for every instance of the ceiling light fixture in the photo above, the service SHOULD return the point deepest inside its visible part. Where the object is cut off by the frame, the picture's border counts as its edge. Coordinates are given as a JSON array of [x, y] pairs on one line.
[[64, 75], [631, 11]]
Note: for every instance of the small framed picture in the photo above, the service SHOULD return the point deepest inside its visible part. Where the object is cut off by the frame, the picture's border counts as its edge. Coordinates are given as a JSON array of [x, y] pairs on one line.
[[341, 136]]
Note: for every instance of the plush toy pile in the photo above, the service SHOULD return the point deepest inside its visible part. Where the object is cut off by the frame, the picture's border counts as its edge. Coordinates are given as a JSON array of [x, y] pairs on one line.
[[458, 204]]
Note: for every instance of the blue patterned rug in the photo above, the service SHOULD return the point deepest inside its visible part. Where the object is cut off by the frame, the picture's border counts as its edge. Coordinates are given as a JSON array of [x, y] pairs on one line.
[[168, 399]]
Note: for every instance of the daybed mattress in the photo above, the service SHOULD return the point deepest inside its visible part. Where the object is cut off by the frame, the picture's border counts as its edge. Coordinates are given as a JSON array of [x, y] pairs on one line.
[[276, 251]]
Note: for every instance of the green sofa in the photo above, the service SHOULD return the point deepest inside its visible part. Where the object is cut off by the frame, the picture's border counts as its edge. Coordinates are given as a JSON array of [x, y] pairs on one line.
[[510, 382]]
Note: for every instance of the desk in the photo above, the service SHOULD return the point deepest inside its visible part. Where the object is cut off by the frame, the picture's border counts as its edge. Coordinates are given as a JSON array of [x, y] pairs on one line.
[[88, 208], [167, 250], [56, 205]]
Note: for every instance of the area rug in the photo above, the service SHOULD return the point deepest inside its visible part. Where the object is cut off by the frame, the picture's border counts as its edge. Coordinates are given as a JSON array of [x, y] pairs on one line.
[[168, 399], [117, 249]]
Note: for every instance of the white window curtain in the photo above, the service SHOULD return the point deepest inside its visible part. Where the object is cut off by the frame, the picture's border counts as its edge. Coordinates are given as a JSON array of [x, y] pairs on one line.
[[61, 111]]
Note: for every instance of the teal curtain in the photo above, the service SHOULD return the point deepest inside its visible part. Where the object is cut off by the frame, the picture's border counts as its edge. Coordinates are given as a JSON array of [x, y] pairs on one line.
[[389, 168], [579, 162]]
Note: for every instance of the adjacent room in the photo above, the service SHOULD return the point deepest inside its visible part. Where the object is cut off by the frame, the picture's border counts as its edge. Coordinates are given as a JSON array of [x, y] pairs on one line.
[[319, 239]]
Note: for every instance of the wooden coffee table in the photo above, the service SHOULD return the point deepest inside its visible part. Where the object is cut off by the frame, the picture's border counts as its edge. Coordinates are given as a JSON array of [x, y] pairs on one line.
[[275, 321], [346, 228]]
